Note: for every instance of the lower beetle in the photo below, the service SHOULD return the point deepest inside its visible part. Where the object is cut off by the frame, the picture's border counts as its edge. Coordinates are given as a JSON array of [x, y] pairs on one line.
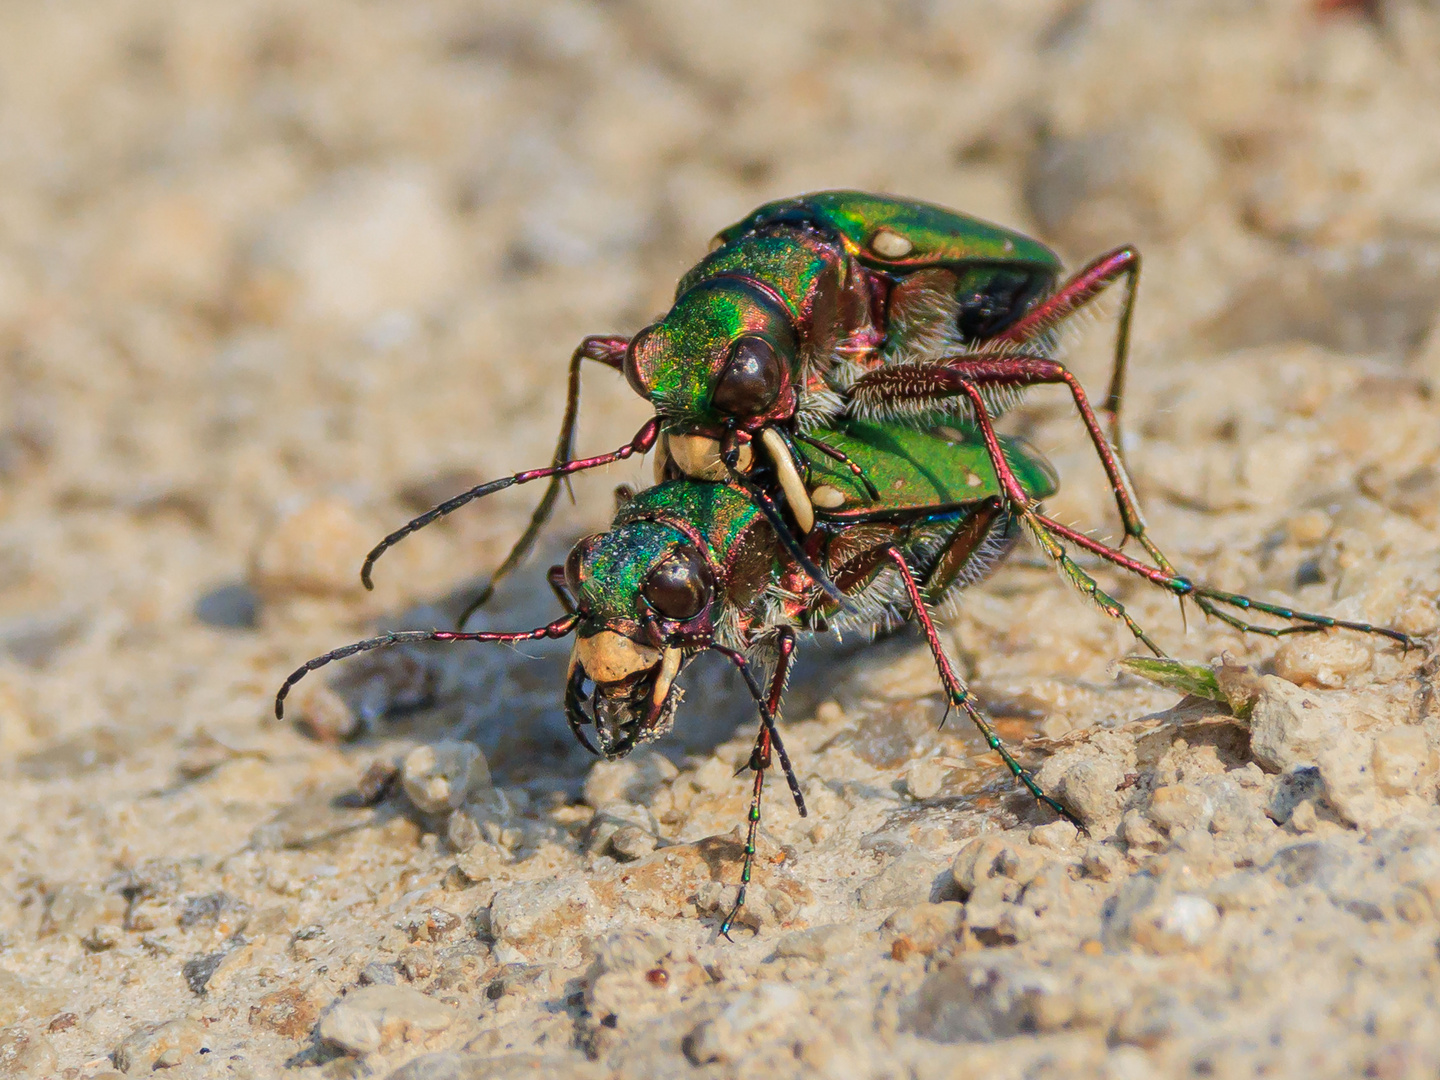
[[692, 566]]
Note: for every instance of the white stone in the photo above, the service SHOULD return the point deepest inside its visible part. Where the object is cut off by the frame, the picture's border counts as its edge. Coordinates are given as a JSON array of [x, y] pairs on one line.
[[441, 776], [373, 1017], [1290, 726]]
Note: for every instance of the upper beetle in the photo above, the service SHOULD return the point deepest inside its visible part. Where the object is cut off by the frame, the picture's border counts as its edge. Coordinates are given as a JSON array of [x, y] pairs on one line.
[[834, 304]]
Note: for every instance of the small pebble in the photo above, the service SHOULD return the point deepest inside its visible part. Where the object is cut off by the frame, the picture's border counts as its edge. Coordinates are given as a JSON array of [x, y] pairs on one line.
[[441, 776], [415, 963], [462, 832], [1180, 806], [1008, 855], [141, 1050], [1402, 760], [925, 927], [314, 550], [431, 924], [1325, 661], [1102, 862], [1054, 836], [743, 1023], [24, 1053], [63, 1022], [1136, 830], [374, 1017], [544, 919], [924, 777], [1308, 527], [197, 972], [1290, 726], [909, 879], [819, 943], [375, 783], [321, 712], [231, 607], [633, 779], [1185, 922], [632, 949], [376, 974], [631, 842], [289, 1012], [1090, 788]]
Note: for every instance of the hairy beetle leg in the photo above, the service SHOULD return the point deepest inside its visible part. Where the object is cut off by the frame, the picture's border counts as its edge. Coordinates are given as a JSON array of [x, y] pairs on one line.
[[970, 375], [1040, 526], [1080, 290]]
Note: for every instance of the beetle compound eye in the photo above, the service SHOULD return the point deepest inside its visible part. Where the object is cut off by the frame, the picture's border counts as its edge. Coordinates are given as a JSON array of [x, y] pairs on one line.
[[679, 588], [574, 561], [631, 368], [750, 382]]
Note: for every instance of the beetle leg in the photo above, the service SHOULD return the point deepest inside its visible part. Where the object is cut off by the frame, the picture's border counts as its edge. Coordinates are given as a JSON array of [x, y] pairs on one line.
[[1085, 286], [609, 351], [760, 756], [957, 692], [965, 375], [1206, 597], [1020, 504]]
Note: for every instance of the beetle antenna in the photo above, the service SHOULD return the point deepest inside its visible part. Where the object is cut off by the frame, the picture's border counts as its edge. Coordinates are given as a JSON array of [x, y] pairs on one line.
[[557, 629], [838, 455], [642, 442], [766, 506]]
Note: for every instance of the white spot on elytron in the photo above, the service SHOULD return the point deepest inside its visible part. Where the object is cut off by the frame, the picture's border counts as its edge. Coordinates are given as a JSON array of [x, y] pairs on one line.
[[827, 497], [889, 244], [972, 479], [1009, 246]]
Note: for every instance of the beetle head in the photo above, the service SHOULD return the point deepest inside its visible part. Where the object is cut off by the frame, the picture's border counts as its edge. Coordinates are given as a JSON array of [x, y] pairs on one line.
[[724, 354], [648, 599]]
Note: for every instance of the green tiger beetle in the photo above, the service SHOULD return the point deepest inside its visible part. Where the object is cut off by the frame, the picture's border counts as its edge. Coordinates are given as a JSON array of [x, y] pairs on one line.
[[689, 566], [830, 305]]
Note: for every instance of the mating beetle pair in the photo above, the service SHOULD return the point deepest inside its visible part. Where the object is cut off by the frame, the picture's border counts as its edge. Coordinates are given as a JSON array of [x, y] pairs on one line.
[[691, 566], [825, 386]]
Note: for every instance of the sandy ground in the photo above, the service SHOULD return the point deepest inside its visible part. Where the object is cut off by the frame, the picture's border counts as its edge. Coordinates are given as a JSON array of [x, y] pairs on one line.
[[275, 276]]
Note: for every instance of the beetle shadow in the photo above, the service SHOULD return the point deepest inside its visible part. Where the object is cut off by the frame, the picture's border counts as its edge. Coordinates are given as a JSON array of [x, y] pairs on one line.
[[508, 699]]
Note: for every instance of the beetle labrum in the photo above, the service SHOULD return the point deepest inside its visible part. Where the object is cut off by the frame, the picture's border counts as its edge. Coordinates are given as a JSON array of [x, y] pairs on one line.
[[689, 566]]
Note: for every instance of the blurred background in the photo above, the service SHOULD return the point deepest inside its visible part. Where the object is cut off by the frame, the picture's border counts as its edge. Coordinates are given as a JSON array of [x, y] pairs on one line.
[[275, 277]]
